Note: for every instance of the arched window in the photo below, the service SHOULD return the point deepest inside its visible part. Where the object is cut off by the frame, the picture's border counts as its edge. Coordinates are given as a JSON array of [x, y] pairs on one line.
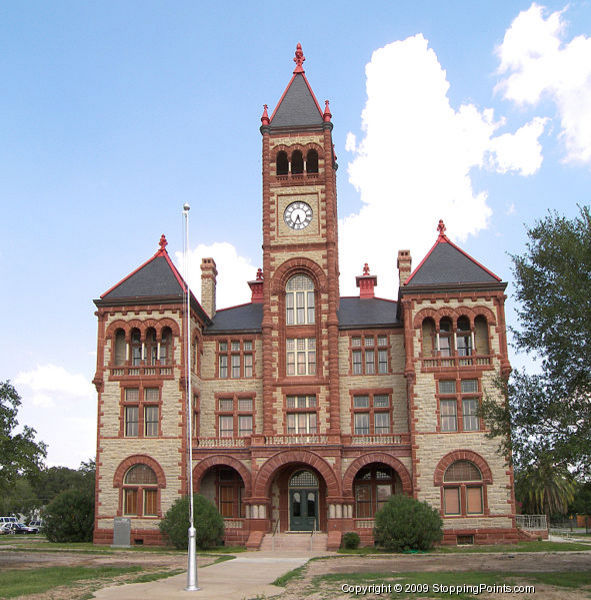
[[312, 161], [282, 163], [136, 347], [299, 301], [445, 335], [372, 487], [166, 346], [428, 332], [463, 489], [119, 347], [481, 335], [151, 347], [140, 491], [297, 162], [464, 337]]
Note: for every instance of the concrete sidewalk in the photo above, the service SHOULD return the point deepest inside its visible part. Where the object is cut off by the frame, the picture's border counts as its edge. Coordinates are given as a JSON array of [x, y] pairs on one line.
[[247, 576]]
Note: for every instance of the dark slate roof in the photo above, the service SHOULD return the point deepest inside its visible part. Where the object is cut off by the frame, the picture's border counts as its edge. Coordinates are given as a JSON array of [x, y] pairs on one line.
[[366, 312], [447, 264], [154, 278], [246, 317], [297, 107]]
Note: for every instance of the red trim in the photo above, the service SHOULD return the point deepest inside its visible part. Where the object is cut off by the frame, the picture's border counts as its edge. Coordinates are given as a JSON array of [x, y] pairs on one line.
[[443, 239], [287, 88]]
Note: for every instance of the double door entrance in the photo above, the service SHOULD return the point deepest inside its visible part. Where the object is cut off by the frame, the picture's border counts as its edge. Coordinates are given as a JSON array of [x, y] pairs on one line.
[[303, 502]]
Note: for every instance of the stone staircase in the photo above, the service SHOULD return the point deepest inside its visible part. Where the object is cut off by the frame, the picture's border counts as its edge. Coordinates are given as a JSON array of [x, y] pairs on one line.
[[295, 542]]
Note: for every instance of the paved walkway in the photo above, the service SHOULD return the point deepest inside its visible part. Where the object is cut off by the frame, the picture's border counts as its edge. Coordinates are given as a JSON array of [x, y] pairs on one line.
[[248, 575]]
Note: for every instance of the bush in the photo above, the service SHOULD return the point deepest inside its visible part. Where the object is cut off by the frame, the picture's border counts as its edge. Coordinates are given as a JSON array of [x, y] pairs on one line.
[[69, 517], [350, 540], [407, 524], [209, 524]]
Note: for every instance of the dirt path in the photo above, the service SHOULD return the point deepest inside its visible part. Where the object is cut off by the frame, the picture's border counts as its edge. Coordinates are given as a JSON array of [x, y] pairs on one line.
[[306, 588]]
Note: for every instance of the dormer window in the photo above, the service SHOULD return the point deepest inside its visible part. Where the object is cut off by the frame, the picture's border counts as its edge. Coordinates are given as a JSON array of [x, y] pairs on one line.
[[299, 301]]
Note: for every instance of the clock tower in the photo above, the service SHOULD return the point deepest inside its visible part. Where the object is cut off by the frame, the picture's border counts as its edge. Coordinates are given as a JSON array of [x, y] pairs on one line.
[[300, 262]]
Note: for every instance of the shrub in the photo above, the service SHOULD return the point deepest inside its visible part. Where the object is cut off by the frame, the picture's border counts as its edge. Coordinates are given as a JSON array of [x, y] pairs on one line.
[[350, 540], [209, 524], [407, 524], [69, 517]]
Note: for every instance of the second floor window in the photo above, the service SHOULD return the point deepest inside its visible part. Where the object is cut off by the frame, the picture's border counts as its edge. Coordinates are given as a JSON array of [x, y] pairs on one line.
[[235, 416], [301, 414], [141, 412], [371, 414], [369, 354], [459, 411]]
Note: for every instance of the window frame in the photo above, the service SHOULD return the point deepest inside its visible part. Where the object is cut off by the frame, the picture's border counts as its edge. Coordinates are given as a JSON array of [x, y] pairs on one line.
[[235, 413], [140, 405], [234, 358], [308, 407], [366, 357], [139, 491], [462, 488], [371, 410], [459, 397], [292, 307], [372, 485], [310, 364]]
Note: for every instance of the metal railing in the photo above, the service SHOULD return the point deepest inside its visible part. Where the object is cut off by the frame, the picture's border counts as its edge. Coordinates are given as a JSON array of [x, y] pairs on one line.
[[531, 522]]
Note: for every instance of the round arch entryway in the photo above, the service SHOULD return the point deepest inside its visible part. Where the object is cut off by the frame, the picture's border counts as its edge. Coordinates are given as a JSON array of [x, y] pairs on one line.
[[377, 457]]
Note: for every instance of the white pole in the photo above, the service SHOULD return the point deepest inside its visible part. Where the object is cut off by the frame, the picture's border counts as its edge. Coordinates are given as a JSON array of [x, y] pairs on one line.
[[192, 550]]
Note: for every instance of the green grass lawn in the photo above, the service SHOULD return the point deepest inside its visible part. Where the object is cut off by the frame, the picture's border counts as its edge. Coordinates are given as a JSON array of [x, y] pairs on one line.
[[19, 582], [542, 546]]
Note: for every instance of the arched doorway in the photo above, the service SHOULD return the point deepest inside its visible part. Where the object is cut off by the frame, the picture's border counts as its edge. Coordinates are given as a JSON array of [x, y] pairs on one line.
[[224, 487], [303, 501], [372, 486]]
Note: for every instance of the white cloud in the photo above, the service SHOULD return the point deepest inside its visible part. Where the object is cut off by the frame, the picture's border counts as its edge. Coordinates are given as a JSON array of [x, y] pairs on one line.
[[521, 151], [50, 385], [413, 165], [233, 272], [538, 64]]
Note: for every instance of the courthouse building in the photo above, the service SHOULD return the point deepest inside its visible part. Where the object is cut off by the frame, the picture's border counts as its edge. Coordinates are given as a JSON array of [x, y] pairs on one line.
[[309, 409]]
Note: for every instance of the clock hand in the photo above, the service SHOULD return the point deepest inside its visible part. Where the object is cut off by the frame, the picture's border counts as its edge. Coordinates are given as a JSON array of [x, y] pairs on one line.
[[297, 219]]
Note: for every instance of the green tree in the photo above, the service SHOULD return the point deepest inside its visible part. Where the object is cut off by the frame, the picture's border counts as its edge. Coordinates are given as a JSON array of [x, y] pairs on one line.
[[20, 454], [19, 499], [48, 483], [544, 488], [69, 517], [209, 524], [549, 414]]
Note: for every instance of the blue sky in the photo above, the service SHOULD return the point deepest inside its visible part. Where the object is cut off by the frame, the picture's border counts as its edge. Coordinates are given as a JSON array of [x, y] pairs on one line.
[[112, 115]]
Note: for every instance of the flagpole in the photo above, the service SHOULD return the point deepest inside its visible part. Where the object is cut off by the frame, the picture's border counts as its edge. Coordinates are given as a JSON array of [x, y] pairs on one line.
[[192, 549]]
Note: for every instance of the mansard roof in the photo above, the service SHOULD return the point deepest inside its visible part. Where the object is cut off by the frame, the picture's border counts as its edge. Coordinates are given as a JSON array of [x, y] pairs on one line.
[[447, 264], [298, 106]]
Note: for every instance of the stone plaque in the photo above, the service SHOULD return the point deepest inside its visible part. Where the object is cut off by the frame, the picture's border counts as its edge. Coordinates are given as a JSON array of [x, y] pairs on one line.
[[121, 532]]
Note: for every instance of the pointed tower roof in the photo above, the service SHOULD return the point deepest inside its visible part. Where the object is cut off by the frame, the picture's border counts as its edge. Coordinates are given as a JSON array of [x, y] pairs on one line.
[[156, 280], [298, 106], [447, 264]]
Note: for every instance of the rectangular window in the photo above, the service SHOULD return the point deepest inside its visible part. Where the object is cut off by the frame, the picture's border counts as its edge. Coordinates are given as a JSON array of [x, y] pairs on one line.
[[289, 309], [245, 404], [223, 366], [361, 402], [131, 421], [371, 414], [451, 500], [226, 425], [248, 365], [227, 501], [449, 420], [235, 346], [131, 504], [301, 352], [226, 404], [381, 422], [470, 414], [244, 425], [301, 401], [474, 500], [363, 501], [383, 492], [381, 401], [150, 502], [151, 414], [236, 366], [151, 395], [302, 422], [361, 423], [369, 354], [357, 365], [469, 386], [447, 387], [369, 362], [382, 361]]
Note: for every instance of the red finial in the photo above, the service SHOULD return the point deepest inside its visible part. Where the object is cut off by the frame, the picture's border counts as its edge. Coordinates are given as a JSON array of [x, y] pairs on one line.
[[265, 117], [441, 228], [299, 59], [327, 116], [259, 274], [163, 243], [365, 269]]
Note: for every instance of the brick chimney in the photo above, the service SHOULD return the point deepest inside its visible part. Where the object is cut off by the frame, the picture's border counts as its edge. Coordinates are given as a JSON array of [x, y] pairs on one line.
[[256, 286], [208, 283], [366, 283], [404, 266]]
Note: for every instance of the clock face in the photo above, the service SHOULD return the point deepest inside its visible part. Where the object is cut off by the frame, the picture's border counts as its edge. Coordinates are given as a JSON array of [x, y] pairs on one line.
[[298, 215]]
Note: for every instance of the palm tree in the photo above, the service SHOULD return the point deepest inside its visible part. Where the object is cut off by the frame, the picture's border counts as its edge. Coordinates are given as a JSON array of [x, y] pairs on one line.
[[545, 488]]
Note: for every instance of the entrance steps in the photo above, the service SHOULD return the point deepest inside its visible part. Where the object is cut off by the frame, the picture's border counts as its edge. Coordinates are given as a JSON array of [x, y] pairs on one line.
[[295, 542]]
